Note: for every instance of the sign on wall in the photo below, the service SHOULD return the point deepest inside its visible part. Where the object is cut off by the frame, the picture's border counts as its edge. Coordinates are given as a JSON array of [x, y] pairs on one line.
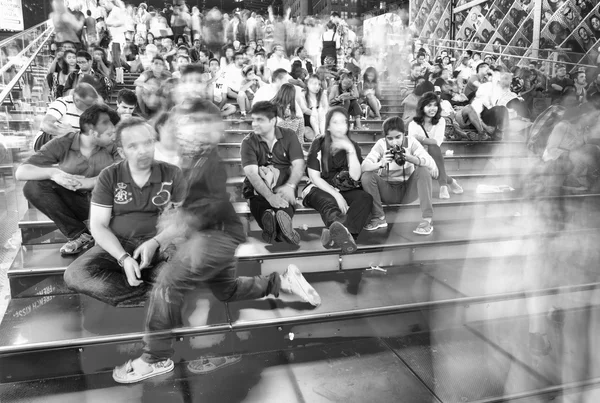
[[11, 15]]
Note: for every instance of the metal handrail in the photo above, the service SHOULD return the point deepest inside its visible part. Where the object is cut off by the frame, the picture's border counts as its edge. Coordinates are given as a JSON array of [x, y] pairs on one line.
[[47, 33], [11, 60], [5, 42]]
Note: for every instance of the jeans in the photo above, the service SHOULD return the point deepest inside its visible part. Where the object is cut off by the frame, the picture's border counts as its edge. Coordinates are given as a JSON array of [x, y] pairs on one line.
[[258, 206], [436, 153], [359, 208], [97, 274], [206, 257], [418, 186], [67, 209]]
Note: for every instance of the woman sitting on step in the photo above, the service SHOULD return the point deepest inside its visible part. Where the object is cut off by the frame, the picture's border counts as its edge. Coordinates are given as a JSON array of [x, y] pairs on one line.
[[428, 128]]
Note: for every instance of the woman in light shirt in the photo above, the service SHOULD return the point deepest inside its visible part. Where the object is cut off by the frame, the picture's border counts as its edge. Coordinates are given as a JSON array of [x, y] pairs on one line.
[[428, 128]]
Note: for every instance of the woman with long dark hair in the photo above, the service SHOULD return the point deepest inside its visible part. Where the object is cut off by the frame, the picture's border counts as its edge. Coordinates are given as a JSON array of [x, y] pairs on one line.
[[57, 79], [288, 113], [315, 107], [101, 64], [334, 168], [370, 91], [428, 128]]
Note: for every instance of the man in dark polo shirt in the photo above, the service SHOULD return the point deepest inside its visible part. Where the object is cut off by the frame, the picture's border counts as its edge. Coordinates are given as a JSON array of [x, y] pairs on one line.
[[273, 162], [61, 175], [210, 232], [126, 203]]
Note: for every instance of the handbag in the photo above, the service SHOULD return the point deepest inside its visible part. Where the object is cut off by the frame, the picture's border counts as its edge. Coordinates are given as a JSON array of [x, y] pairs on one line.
[[343, 182]]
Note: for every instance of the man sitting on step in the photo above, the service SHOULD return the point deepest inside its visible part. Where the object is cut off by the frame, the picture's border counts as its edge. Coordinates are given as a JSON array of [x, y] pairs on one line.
[[397, 171], [273, 162], [60, 177], [126, 203], [210, 232]]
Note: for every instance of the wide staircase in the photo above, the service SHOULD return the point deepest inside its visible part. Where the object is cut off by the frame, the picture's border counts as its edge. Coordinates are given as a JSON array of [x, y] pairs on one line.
[[408, 318]]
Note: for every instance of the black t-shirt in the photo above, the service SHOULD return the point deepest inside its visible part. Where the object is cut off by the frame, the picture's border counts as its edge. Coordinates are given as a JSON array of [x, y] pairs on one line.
[[337, 162], [207, 198]]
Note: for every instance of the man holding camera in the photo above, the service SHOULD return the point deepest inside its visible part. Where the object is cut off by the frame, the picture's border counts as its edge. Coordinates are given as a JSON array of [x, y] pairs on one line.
[[398, 170]]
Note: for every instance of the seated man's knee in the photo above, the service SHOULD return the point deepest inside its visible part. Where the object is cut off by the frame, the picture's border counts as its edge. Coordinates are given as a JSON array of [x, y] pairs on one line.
[[369, 177], [73, 277], [33, 190]]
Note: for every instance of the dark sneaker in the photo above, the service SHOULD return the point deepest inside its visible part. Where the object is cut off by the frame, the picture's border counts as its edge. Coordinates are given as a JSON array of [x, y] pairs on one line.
[[269, 226], [77, 245], [293, 282], [286, 228], [342, 238]]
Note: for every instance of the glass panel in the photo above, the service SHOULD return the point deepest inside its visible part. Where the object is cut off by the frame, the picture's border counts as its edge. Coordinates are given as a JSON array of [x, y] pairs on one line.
[[24, 61]]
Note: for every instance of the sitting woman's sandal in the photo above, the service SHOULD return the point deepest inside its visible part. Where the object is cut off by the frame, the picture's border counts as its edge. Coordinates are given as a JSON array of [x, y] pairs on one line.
[[424, 228]]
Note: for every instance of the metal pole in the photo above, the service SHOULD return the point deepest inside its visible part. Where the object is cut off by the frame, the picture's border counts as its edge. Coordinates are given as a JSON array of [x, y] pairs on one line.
[[537, 27], [452, 21]]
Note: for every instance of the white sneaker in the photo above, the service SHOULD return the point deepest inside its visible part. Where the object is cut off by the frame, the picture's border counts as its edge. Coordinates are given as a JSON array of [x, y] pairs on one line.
[[456, 188], [293, 282], [444, 192]]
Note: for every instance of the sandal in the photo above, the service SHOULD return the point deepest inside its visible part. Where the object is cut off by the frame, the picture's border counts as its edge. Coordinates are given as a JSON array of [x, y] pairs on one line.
[[209, 364], [424, 228], [126, 373]]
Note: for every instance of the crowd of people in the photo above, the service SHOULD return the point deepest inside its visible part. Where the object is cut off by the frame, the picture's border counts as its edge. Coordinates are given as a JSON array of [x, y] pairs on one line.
[[149, 178]]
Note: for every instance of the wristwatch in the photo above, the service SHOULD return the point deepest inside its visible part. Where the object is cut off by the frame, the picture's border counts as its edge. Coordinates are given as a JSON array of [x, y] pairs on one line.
[[122, 259]]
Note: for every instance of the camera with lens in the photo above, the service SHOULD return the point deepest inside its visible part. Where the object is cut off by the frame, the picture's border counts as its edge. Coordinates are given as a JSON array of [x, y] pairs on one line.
[[397, 152]]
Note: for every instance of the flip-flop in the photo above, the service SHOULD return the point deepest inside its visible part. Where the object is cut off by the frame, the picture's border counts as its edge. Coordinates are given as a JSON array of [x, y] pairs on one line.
[[126, 374], [207, 365]]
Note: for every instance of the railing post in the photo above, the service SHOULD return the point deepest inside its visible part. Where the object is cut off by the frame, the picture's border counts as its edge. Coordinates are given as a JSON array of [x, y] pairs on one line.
[[537, 27]]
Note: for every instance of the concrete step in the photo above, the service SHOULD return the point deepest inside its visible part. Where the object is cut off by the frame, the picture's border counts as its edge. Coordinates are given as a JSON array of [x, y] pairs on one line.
[[514, 148], [453, 163], [86, 336], [479, 228]]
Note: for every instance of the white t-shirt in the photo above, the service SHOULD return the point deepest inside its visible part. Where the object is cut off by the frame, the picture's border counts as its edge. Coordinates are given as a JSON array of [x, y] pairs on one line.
[[234, 77], [265, 93], [437, 132], [274, 64]]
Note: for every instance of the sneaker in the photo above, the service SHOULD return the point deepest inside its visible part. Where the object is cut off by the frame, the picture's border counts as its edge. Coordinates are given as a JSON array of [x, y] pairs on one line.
[[342, 238], [456, 188], [444, 192], [288, 233], [269, 226], [375, 224], [326, 240], [293, 282], [77, 245]]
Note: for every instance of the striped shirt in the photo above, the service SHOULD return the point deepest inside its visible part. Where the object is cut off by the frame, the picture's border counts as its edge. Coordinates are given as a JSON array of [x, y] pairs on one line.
[[65, 111]]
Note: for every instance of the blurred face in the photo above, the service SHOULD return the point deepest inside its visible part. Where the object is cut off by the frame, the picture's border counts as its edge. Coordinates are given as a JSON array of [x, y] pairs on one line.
[[596, 23], [71, 59], [370, 76], [103, 131], [260, 43], [580, 79], [394, 137], [303, 53], [139, 41], [262, 125], [583, 34], [346, 83], [69, 46], [158, 66], [84, 64], [202, 57], [251, 75], [83, 103], [137, 147], [279, 51], [214, 67], [430, 109], [338, 125], [561, 72], [313, 85], [483, 71], [229, 53], [182, 62], [166, 43], [239, 61], [125, 110], [98, 55]]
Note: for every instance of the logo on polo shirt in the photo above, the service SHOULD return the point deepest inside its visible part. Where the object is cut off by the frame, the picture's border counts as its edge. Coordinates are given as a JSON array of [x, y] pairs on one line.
[[122, 196]]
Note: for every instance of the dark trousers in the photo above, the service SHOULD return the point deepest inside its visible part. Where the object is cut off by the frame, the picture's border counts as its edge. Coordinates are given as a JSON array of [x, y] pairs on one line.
[[436, 153], [359, 208], [116, 54], [67, 209], [496, 116], [206, 257], [97, 274], [353, 107], [417, 186], [258, 206]]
